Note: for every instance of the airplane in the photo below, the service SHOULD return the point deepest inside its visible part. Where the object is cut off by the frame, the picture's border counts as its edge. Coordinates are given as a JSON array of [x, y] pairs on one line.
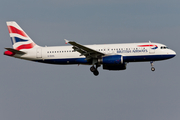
[[110, 56]]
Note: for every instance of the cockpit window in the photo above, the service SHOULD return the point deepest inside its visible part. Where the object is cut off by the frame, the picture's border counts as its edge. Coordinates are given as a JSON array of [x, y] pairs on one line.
[[164, 47]]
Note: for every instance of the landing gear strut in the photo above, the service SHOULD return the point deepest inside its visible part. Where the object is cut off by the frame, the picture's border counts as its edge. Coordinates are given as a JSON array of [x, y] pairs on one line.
[[152, 68], [94, 70]]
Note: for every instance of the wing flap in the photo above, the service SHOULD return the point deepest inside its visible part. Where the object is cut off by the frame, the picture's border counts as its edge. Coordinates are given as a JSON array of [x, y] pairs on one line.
[[85, 51]]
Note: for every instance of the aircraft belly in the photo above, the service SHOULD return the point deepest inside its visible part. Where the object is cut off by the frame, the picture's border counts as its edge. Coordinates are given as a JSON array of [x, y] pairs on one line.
[[65, 61], [146, 58]]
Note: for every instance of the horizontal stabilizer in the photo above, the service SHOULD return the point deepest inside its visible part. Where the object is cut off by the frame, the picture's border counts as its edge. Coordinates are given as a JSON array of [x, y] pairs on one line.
[[15, 51]]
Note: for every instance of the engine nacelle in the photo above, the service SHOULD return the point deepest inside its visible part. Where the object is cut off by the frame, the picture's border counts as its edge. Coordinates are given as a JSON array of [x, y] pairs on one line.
[[113, 59], [114, 66]]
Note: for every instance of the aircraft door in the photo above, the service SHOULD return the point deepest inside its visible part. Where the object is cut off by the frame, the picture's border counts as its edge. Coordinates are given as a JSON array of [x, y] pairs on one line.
[[151, 49], [39, 53]]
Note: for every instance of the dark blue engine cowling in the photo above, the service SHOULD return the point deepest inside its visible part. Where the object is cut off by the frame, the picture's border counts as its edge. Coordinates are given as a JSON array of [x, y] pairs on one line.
[[114, 66], [114, 59]]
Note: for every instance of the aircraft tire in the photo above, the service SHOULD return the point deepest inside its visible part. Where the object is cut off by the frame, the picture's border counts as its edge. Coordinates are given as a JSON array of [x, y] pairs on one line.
[[152, 69], [92, 69], [96, 73]]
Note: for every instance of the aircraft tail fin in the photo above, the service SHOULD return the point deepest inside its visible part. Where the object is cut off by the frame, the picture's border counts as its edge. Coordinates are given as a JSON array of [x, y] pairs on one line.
[[20, 40]]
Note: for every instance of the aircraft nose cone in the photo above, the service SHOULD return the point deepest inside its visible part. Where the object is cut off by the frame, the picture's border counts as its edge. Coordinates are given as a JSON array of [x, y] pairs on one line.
[[173, 53]]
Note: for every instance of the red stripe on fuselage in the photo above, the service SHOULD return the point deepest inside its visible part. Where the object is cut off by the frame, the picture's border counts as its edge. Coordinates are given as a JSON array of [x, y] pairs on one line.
[[147, 45], [26, 46], [17, 31]]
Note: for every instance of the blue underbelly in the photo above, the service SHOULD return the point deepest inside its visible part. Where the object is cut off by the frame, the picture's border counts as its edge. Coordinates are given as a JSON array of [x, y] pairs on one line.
[[125, 59], [146, 58]]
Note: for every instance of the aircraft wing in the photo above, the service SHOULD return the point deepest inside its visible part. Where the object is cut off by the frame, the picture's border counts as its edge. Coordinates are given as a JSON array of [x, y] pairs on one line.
[[88, 52]]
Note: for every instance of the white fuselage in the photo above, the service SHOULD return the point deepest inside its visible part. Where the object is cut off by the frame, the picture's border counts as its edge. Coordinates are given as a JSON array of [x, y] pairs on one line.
[[131, 52]]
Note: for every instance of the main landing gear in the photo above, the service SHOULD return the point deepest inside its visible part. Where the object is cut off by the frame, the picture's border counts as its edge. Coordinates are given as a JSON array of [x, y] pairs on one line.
[[152, 68], [94, 70]]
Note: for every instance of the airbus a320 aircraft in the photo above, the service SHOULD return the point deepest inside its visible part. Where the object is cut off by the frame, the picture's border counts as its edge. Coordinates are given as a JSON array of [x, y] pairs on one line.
[[110, 56]]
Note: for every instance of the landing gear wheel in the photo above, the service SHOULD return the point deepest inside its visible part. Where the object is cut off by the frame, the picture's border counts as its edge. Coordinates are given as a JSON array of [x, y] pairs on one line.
[[92, 69], [96, 73], [153, 69]]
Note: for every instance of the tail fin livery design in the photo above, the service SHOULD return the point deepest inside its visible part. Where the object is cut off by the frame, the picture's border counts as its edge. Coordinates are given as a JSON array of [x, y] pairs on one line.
[[20, 40]]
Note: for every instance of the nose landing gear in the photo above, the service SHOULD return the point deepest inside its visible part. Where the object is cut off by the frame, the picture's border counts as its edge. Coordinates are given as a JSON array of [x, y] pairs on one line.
[[152, 68]]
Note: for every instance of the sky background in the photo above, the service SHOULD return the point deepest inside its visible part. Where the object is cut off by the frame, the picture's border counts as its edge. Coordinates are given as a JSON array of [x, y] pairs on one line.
[[36, 91]]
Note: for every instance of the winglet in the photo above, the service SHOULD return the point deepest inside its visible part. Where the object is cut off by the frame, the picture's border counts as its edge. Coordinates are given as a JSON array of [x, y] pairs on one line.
[[66, 41]]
